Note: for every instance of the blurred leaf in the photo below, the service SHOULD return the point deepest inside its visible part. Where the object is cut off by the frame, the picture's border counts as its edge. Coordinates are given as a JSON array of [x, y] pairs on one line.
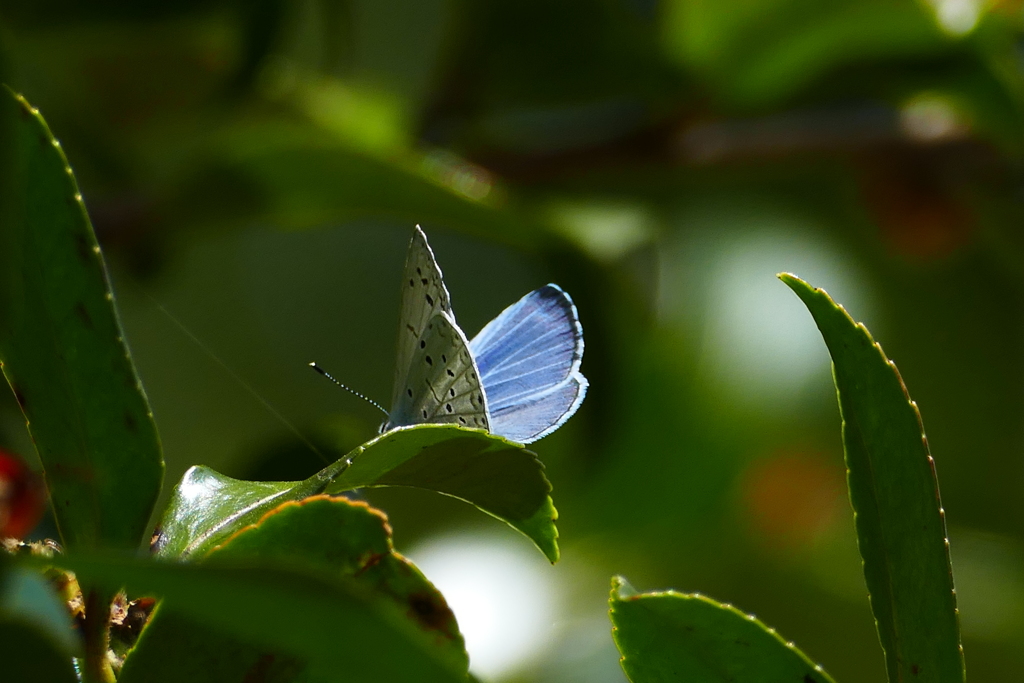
[[895, 495], [497, 476], [332, 626], [27, 596], [754, 53], [28, 655], [332, 535], [63, 352], [302, 176], [669, 636], [36, 642]]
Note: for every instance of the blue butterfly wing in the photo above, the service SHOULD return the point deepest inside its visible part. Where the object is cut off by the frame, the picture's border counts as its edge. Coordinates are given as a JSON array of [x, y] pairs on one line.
[[529, 359]]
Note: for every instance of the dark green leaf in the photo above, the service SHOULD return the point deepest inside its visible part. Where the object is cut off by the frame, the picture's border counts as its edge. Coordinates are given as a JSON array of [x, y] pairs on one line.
[[349, 539], [499, 477], [332, 626], [63, 352], [302, 176], [901, 528], [29, 655], [669, 636], [762, 52], [332, 535]]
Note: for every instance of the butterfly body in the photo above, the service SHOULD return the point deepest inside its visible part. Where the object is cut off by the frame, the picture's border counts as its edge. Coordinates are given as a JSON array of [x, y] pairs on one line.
[[518, 378]]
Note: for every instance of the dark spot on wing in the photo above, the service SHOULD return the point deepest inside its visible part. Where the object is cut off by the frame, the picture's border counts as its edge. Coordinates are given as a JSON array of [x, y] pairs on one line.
[[429, 300], [451, 392], [473, 375], [423, 344], [450, 373], [424, 413], [448, 407], [411, 282], [423, 280], [462, 420], [429, 360], [409, 391], [419, 272], [443, 359]]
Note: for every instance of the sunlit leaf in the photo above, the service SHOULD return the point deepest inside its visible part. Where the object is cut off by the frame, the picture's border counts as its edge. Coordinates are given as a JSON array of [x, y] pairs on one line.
[[901, 527], [669, 636], [62, 348], [499, 477]]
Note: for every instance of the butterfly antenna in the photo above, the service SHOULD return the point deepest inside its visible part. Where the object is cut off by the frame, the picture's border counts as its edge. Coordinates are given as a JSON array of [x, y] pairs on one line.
[[349, 389]]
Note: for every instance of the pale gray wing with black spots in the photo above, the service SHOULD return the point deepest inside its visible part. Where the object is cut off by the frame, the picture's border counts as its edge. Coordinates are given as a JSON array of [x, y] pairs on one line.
[[423, 296], [442, 385]]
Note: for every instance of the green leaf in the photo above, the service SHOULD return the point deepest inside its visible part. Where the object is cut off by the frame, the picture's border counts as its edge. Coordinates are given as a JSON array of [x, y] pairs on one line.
[[330, 626], [301, 175], [901, 527], [499, 477], [332, 535], [30, 655], [757, 53], [36, 643], [669, 636], [350, 539], [62, 348]]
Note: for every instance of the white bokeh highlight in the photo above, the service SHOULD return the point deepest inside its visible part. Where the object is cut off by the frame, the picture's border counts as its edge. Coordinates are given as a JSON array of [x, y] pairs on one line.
[[756, 340], [502, 593]]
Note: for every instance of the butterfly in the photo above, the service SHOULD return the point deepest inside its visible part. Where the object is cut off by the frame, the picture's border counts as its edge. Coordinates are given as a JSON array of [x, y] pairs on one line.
[[518, 378]]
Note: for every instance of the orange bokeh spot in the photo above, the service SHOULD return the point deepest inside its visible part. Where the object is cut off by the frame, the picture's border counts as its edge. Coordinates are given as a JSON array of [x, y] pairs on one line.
[[790, 499]]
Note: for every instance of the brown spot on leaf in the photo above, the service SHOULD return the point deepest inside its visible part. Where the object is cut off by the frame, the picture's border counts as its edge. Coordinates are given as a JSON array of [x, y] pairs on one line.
[[430, 610], [83, 315], [915, 669], [130, 422], [83, 247], [259, 671], [808, 679]]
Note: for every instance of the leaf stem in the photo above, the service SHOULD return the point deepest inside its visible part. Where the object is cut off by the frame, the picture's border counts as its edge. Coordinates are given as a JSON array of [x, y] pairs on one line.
[[96, 628]]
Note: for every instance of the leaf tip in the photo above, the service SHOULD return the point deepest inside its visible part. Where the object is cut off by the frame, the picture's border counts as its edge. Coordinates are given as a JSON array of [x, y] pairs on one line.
[[622, 589]]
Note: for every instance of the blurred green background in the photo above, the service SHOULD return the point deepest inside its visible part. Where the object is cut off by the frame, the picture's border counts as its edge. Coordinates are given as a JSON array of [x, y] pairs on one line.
[[253, 170]]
